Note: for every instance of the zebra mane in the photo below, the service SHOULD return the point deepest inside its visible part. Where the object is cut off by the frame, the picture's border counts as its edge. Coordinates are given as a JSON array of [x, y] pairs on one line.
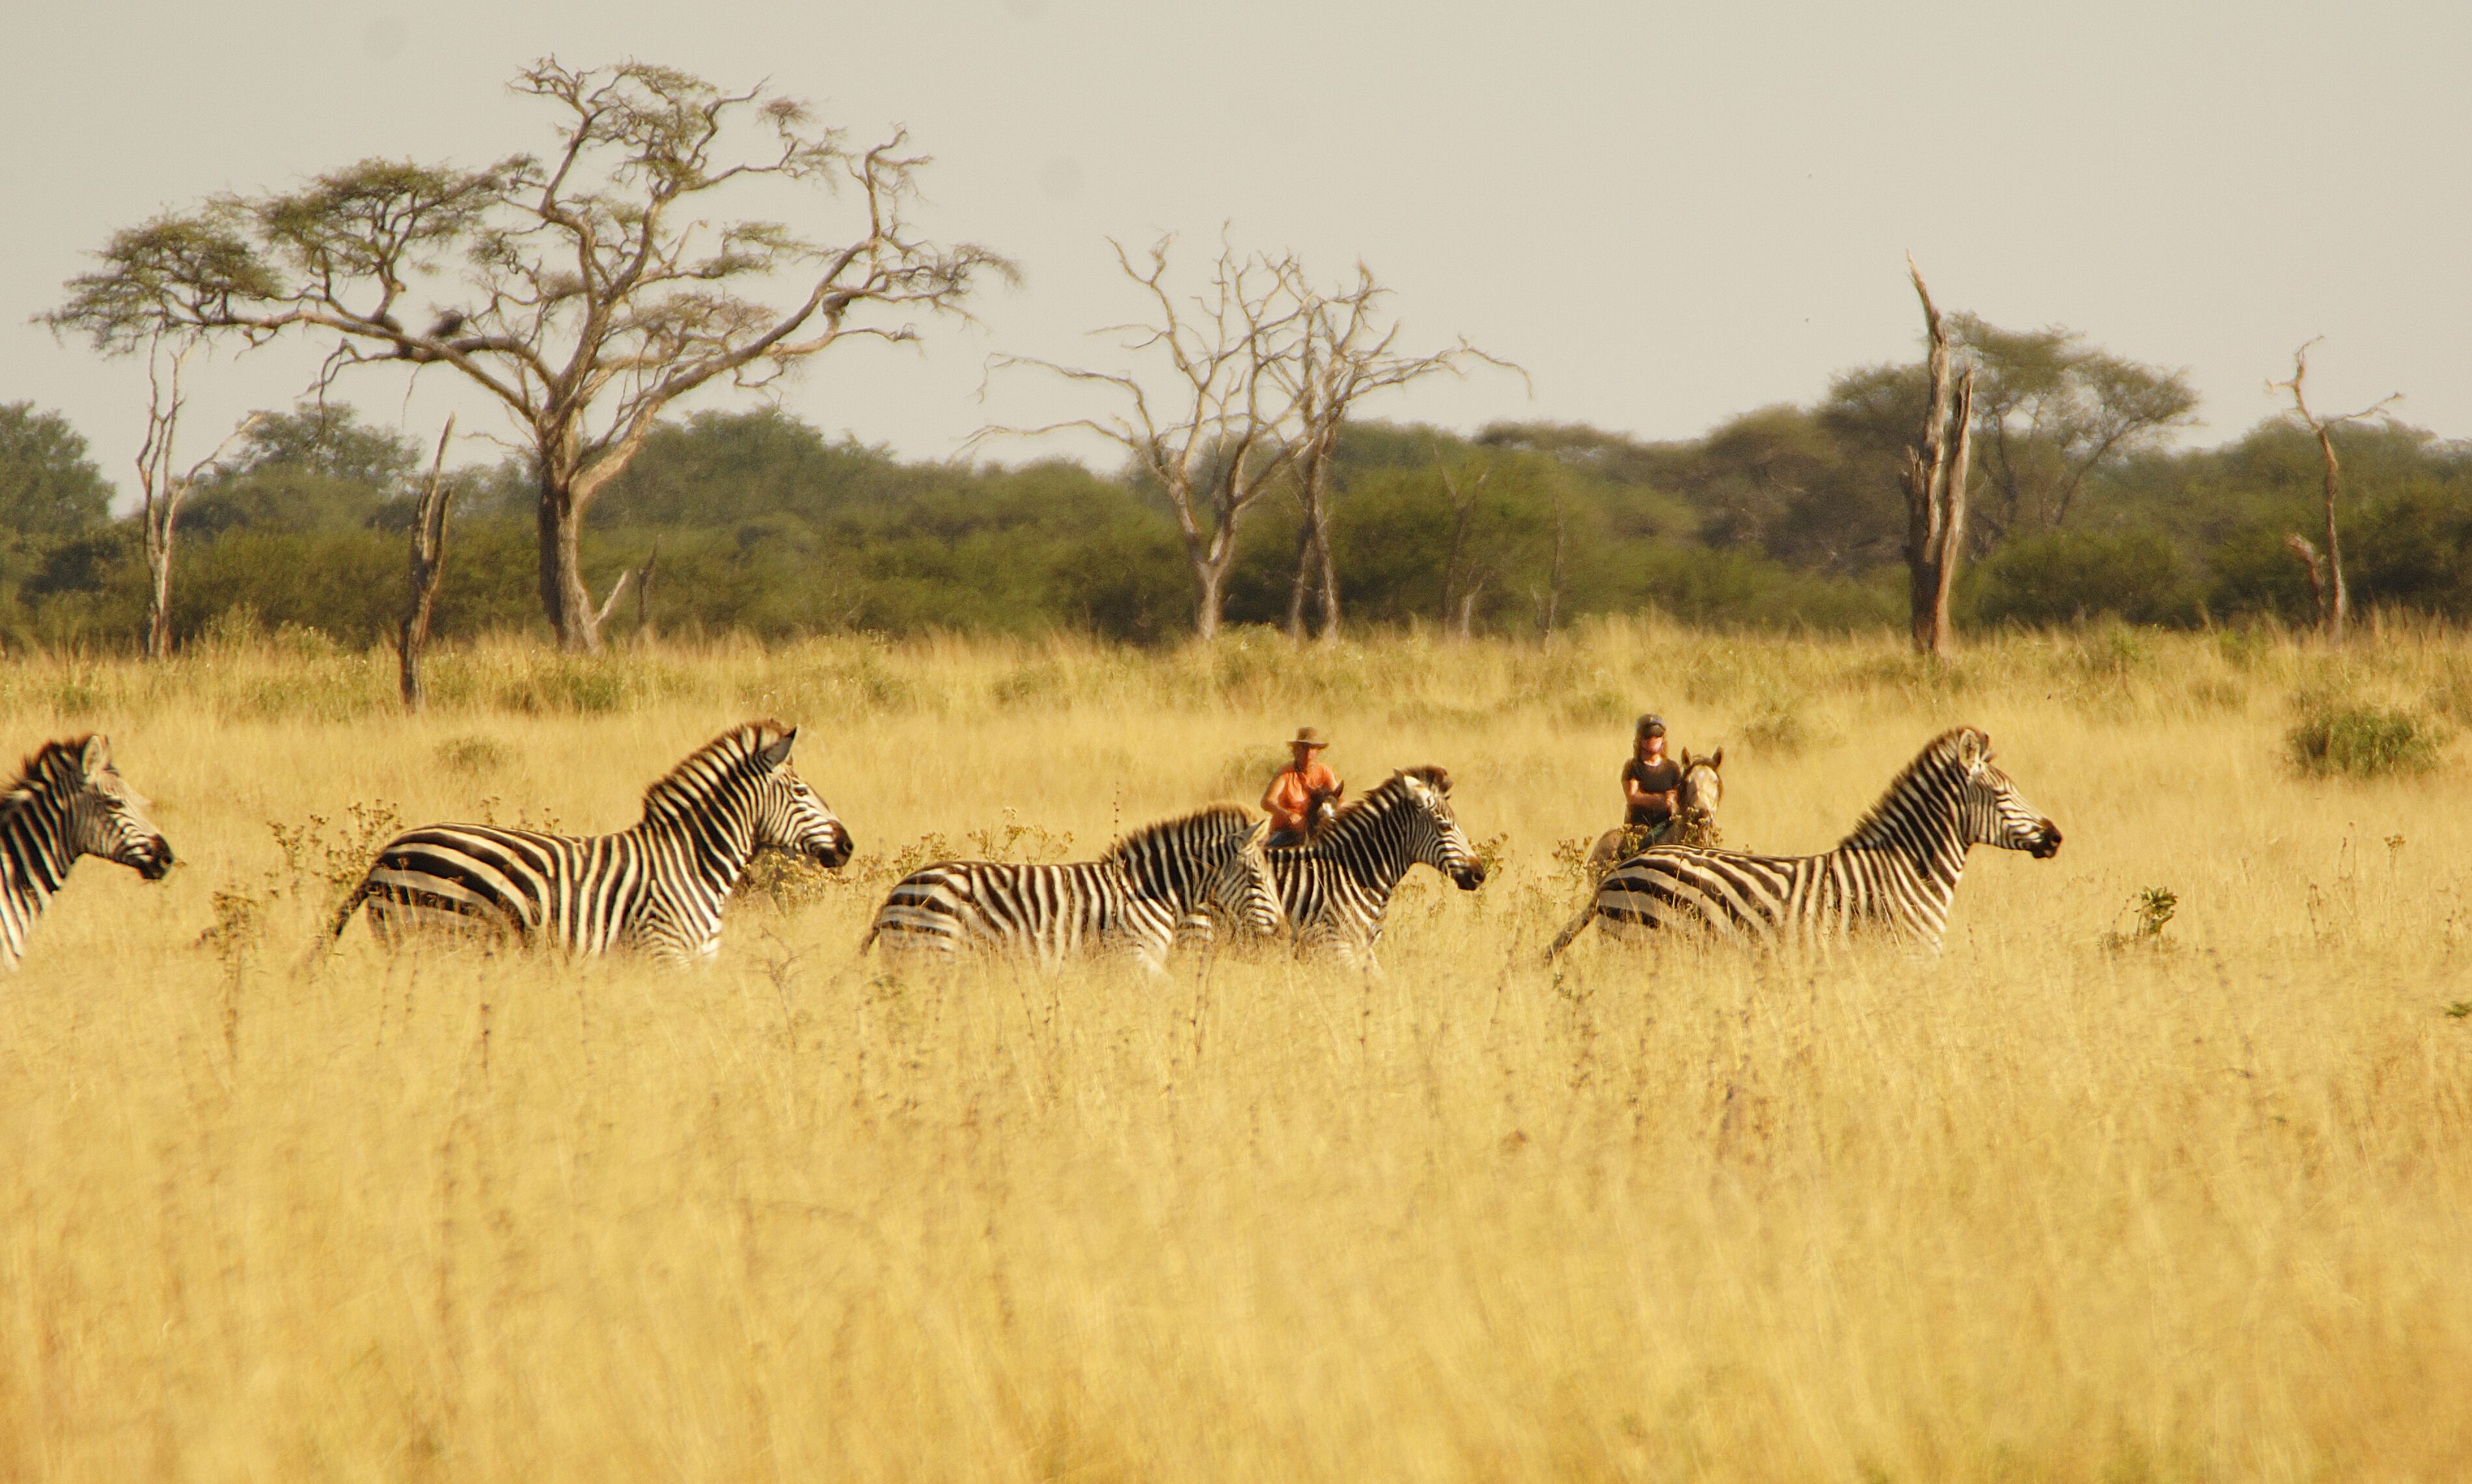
[[1937, 755], [1231, 818], [43, 767], [1380, 800], [737, 753]]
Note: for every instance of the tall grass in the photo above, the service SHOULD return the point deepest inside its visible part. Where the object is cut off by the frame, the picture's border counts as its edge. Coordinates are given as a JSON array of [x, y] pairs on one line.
[[2065, 1202]]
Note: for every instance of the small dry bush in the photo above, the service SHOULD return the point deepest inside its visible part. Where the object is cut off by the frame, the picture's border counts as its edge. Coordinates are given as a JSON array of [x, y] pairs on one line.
[[2362, 741]]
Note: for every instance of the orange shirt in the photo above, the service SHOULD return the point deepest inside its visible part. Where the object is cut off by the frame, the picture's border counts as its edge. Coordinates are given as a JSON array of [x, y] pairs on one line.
[[1291, 790]]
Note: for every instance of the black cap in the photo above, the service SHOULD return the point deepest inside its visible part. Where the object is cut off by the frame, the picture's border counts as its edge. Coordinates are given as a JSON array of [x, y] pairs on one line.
[[1652, 726]]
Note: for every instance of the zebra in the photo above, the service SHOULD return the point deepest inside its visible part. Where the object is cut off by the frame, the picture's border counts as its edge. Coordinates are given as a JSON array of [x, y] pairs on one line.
[[1134, 899], [659, 886], [1898, 869], [1336, 889], [1693, 822], [67, 801]]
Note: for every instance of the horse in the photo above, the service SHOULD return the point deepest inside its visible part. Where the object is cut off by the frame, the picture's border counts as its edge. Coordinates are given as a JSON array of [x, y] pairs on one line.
[[1693, 823]]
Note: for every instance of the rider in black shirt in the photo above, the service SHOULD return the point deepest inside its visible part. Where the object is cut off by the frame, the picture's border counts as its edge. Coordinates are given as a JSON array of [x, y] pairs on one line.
[[1652, 782]]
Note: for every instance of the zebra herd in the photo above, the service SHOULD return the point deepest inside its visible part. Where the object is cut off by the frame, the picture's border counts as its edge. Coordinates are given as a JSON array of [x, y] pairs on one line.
[[660, 886]]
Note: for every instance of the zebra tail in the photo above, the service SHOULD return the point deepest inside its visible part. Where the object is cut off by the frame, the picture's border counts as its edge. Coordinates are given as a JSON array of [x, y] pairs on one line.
[[351, 904], [1578, 925]]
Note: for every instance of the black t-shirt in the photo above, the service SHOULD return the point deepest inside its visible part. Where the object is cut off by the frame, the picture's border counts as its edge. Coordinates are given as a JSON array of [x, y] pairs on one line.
[[1653, 778]]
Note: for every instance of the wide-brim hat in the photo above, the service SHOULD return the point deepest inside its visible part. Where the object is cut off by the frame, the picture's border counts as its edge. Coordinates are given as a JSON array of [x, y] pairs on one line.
[[1310, 737]]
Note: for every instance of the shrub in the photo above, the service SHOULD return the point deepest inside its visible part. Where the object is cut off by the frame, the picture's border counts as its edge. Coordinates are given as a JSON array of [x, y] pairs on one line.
[[2065, 577], [2362, 741]]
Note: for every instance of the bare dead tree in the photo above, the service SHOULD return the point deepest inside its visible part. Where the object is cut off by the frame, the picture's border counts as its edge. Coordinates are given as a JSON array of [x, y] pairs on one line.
[[1345, 355], [2325, 569], [2315, 565], [1552, 605], [1934, 479], [162, 487], [428, 569], [1463, 575], [601, 279], [1218, 433], [644, 594]]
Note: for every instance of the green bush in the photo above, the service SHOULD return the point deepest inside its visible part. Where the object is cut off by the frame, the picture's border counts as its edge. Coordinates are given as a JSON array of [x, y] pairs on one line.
[[2065, 577], [2364, 741]]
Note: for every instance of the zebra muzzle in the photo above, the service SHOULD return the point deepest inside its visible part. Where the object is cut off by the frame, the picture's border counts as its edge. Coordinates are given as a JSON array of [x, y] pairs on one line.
[[2047, 843]]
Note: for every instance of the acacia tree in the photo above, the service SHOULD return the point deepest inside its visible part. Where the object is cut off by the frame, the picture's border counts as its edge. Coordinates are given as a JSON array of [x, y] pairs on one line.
[[2050, 410], [1220, 431], [1934, 479], [163, 487], [1342, 356], [2325, 568], [593, 285]]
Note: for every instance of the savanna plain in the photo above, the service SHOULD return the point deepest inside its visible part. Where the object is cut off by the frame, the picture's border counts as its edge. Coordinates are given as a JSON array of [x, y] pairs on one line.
[[2162, 1170]]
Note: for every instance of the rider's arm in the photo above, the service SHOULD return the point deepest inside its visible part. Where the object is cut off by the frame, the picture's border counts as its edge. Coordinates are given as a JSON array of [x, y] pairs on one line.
[[1272, 805], [1633, 795]]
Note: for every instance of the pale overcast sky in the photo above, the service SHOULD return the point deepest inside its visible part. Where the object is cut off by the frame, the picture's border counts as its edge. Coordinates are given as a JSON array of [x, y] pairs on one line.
[[1668, 214]]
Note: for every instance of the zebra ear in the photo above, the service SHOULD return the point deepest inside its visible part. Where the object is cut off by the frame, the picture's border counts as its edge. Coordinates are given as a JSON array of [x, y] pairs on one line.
[[97, 755], [779, 752], [1972, 748]]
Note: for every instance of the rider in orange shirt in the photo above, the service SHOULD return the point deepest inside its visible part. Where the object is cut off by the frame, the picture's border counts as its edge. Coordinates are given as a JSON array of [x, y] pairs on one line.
[[1291, 792]]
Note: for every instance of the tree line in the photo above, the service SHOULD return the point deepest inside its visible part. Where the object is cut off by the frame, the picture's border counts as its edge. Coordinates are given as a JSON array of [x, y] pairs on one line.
[[753, 521], [590, 288]]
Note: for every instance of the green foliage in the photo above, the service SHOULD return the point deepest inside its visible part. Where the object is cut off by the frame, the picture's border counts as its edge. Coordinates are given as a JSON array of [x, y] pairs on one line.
[[2149, 913], [48, 485], [1785, 518], [2335, 737], [2067, 576]]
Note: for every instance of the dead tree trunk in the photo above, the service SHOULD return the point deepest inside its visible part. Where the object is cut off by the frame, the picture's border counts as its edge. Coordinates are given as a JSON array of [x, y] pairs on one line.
[[1553, 573], [428, 569], [1462, 577], [643, 595], [1329, 575], [2310, 563], [1303, 583], [2326, 576], [1936, 470], [2338, 597], [162, 490]]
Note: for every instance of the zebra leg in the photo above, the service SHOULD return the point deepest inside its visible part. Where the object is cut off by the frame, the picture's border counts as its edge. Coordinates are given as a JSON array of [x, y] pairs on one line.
[[1578, 925], [1195, 930]]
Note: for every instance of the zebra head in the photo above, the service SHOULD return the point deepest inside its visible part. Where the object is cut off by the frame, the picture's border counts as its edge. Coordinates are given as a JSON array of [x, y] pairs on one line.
[[1989, 807], [788, 814], [95, 810], [1322, 807], [1433, 835], [1704, 787]]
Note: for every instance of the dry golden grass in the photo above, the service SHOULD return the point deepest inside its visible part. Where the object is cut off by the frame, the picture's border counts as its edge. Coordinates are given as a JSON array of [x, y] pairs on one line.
[[2047, 1208]]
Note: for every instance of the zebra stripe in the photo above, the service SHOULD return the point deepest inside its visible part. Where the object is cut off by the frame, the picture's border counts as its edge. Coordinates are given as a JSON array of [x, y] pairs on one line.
[[1132, 900], [1337, 889], [67, 801], [659, 886], [1898, 871]]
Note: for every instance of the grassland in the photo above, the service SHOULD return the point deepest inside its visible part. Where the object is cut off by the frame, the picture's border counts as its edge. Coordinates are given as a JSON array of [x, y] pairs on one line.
[[2073, 1201]]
